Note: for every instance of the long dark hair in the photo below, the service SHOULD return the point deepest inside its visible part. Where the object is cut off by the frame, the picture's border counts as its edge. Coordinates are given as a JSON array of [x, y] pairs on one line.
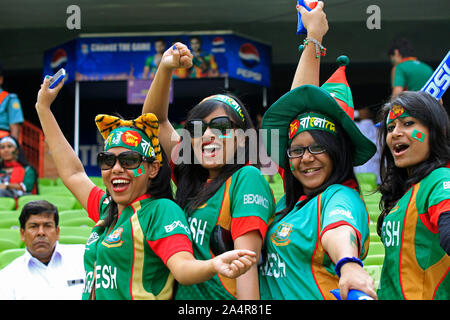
[[159, 187], [340, 151], [192, 190], [396, 181]]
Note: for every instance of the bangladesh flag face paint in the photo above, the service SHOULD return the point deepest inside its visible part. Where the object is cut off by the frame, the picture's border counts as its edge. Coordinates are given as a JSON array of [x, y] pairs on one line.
[[416, 134], [139, 171]]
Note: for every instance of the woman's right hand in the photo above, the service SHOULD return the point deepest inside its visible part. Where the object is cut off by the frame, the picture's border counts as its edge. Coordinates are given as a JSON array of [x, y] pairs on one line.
[[315, 21], [46, 96], [177, 56]]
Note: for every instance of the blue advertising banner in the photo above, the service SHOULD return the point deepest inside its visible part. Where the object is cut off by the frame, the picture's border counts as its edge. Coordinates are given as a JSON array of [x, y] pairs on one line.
[[118, 57]]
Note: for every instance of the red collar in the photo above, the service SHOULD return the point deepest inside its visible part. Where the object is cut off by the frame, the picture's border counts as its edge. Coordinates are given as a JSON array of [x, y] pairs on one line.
[[11, 164], [351, 183]]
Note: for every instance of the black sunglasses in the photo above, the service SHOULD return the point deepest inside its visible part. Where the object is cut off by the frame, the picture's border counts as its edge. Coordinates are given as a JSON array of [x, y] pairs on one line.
[[127, 160], [298, 151], [197, 127]]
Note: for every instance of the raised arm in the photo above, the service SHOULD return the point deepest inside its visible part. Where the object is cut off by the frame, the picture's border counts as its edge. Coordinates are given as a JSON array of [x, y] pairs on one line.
[[157, 99], [341, 242], [69, 167], [308, 67]]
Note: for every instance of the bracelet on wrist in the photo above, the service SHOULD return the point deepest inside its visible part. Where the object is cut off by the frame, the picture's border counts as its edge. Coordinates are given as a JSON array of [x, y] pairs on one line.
[[320, 49], [345, 260]]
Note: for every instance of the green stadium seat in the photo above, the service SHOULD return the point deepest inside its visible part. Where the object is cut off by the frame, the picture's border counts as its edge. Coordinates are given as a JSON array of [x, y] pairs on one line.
[[12, 235], [376, 248], [98, 181], [7, 256], [46, 182], [375, 273], [62, 202], [374, 260], [6, 244], [78, 222], [74, 231], [367, 178], [10, 223], [374, 237], [10, 214], [7, 203], [72, 240]]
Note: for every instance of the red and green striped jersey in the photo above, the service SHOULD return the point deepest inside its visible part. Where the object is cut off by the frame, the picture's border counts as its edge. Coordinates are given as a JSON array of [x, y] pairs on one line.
[[244, 203], [129, 261], [415, 266], [295, 265]]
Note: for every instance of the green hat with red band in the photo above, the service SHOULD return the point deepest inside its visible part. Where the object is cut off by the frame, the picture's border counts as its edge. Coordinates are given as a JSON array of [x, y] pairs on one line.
[[317, 109]]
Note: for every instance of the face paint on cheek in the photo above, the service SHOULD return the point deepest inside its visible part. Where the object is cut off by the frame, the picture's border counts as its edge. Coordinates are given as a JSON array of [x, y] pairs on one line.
[[291, 166], [420, 136], [139, 171]]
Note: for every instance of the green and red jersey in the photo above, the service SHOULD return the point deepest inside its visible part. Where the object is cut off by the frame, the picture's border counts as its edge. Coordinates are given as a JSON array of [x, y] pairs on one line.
[[244, 203], [296, 266], [129, 260], [415, 266], [411, 74]]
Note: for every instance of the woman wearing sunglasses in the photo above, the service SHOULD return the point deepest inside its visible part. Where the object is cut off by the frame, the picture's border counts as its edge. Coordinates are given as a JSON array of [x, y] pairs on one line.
[[415, 186], [228, 202], [320, 232], [141, 240]]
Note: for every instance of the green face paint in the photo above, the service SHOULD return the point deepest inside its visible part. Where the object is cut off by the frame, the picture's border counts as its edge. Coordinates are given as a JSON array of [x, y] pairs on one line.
[[420, 136], [139, 171], [291, 166]]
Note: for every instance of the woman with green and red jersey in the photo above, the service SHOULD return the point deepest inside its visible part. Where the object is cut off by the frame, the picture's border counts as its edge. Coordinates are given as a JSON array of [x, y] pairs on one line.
[[320, 232], [141, 241], [228, 202], [415, 186]]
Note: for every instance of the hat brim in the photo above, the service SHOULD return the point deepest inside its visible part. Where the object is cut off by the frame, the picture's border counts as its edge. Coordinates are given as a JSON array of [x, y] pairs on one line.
[[278, 117]]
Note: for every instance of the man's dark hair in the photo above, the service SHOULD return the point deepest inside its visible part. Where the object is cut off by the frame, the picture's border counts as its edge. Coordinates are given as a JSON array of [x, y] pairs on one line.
[[404, 47], [37, 207]]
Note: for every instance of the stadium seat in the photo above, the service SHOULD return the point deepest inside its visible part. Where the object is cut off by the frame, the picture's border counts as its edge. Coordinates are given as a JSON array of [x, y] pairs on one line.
[[376, 248], [367, 178], [9, 214], [74, 231], [62, 202], [77, 222], [375, 273], [7, 203], [12, 235], [98, 181], [46, 182], [374, 260], [374, 237], [7, 256], [70, 214], [9, 223], [6, 244], [372, 198], [72, 240]]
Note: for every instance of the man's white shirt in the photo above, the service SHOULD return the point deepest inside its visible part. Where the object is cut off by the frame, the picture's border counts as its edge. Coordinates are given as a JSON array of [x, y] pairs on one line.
[[26, 278]]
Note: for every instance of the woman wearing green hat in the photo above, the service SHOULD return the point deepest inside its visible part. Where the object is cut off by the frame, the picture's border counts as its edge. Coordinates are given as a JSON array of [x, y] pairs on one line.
[[320, 232], [141, 240], [228, 202]]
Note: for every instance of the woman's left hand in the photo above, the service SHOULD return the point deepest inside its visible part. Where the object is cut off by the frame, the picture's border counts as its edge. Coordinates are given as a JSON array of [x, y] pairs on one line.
[[232, 264], [353, 276]]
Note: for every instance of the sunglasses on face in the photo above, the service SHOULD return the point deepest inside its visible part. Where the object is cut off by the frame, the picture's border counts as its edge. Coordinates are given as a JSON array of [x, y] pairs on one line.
[[298, 151], [127, 160], [197, 127]]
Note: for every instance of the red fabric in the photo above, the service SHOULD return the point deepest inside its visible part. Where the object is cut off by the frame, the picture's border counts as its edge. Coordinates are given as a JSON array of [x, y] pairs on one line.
[[93, 203], [343, 223], [243, 225], [18, 171], [168, 246]]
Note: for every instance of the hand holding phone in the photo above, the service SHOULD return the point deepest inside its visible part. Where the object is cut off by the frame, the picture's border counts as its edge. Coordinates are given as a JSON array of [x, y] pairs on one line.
[[57, 78]]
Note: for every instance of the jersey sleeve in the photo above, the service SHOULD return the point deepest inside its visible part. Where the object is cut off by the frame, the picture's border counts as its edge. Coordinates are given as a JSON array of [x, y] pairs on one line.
[[167, 229], [15, 114], [434, 197], [96, 197], [343, 206], [251, 202]]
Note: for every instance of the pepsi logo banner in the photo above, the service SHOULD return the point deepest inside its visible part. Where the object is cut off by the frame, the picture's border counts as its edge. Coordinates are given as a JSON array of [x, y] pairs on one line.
[[137, 57]]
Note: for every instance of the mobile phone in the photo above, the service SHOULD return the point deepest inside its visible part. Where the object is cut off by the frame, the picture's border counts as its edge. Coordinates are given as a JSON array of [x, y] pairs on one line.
[[57, 78]]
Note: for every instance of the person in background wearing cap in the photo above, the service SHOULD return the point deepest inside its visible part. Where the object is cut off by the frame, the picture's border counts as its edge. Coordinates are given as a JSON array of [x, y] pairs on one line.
[[17, 176], [228, 201], [11, 116], [414, 224], [320, 232], [141, 241]]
